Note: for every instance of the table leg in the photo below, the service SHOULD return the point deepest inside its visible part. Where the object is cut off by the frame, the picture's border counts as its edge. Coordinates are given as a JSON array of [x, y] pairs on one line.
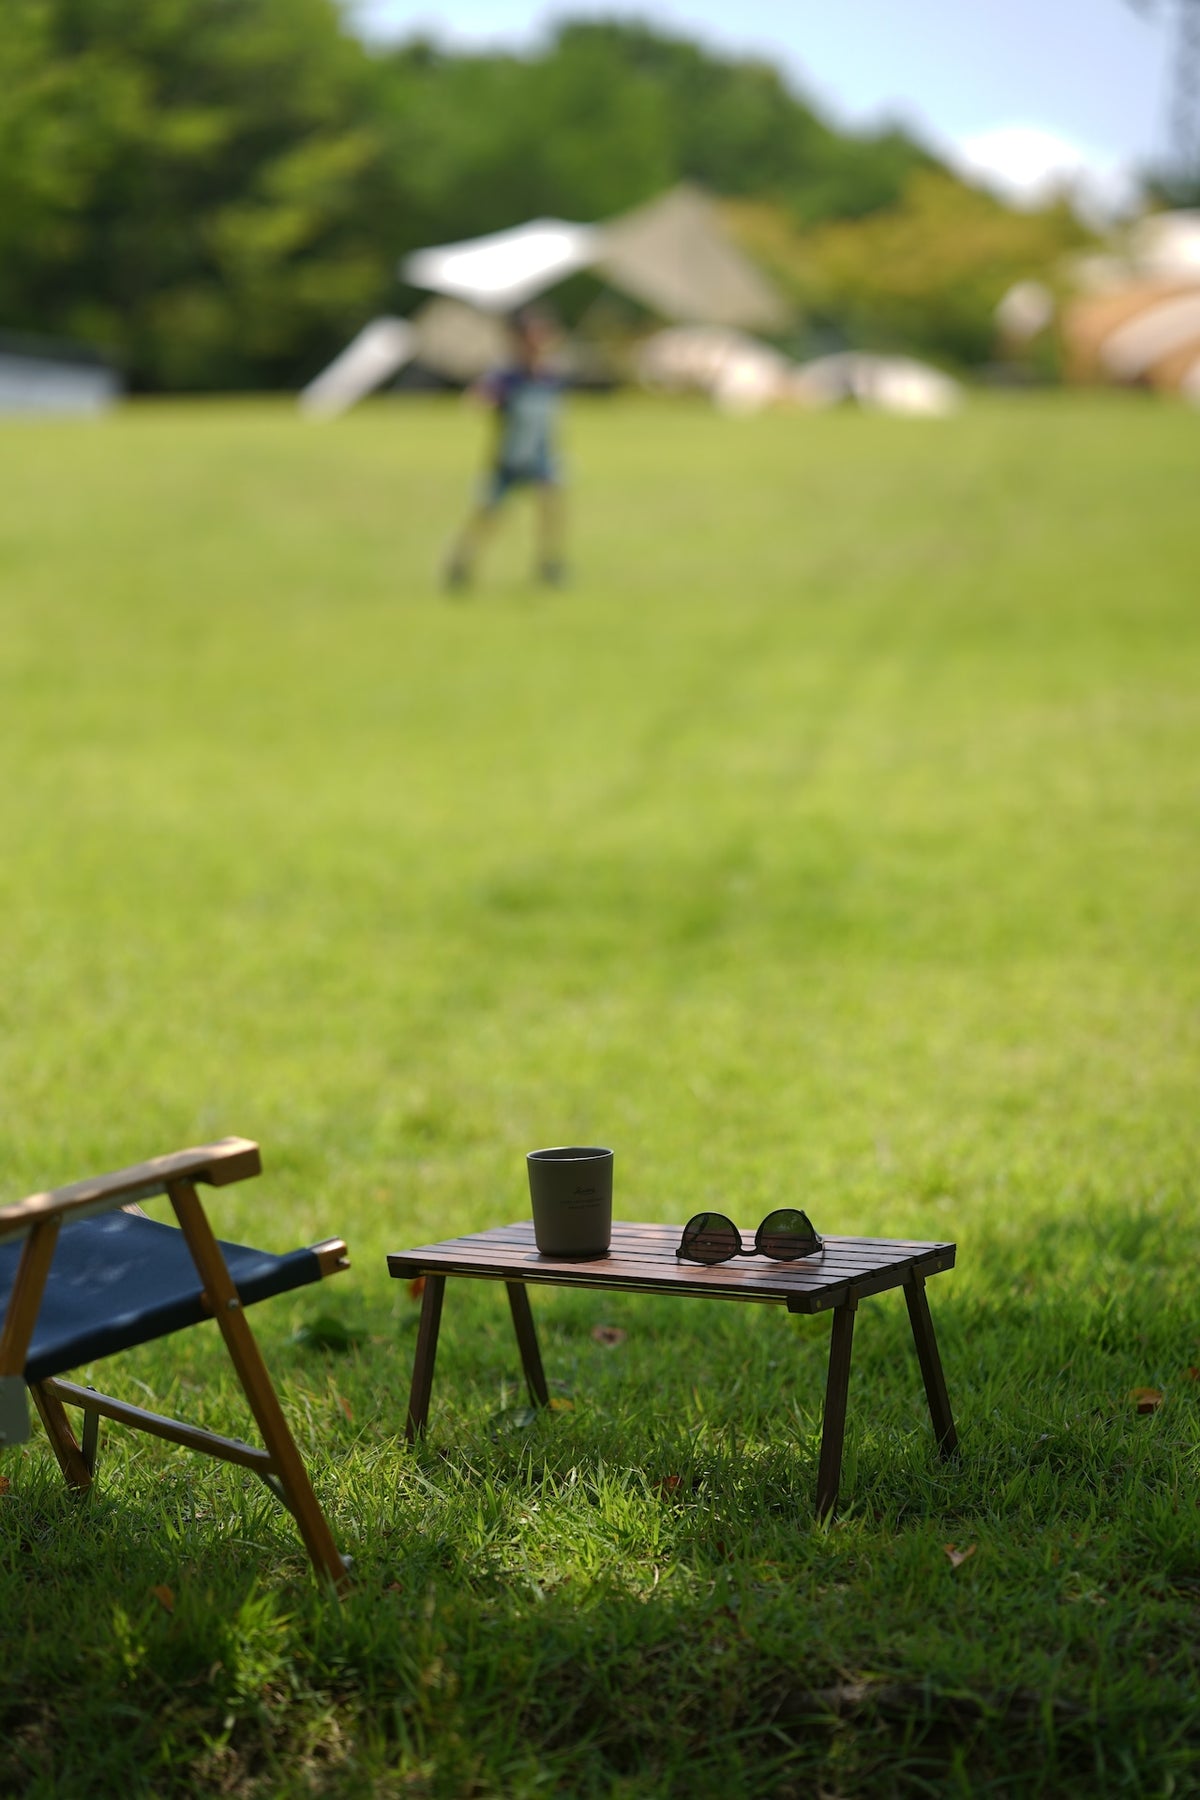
[[426, 1356], [931, 1365], [837, 1388], [531, 1359]]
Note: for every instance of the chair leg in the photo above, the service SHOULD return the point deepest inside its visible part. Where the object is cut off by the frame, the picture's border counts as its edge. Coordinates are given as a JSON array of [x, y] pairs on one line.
[[837, 1389], [16, 1334], [90, 1441], [25, 1297], [72, 1460], [531, 1358], [288, 1464], [931, 1365], [426, 1356]]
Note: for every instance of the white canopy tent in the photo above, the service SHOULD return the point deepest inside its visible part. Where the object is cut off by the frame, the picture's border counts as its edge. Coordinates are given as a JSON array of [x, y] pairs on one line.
[[368, 360], [506, 268], [743, 375], [891, 384], [673, 256]]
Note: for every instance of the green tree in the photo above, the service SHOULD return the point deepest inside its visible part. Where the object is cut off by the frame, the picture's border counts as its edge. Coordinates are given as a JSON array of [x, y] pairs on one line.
[[607, 115], [194, 185], [735, 126], [924, 275], [478, 143], [218, 191]]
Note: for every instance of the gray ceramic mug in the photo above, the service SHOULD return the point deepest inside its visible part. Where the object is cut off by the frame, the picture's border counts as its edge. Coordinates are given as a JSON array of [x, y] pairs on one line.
[[571, 1191]]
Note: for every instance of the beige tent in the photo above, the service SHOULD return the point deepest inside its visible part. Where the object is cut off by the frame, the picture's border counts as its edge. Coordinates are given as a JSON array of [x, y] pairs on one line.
[[672, 255], [1137, 319], [456, 340], [675, 257]]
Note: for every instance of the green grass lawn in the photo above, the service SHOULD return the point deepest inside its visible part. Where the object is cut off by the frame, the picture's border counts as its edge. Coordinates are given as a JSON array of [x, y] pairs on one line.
[[831, 840]]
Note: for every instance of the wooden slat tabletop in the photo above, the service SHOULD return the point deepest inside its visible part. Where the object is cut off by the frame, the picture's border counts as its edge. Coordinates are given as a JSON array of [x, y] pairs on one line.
[[642, 1259]]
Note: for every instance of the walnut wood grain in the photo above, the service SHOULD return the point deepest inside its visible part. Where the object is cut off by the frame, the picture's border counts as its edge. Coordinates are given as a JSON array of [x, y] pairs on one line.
[[230, 1159], [642, 1259]]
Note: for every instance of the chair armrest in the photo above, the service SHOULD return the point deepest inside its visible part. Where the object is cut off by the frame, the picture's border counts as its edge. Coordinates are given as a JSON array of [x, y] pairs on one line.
[[332, 1256], [231, 1159]]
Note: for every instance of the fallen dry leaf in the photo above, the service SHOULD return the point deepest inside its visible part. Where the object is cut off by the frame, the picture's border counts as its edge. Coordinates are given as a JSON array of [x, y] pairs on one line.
[[608, 1335], [165, 1597], [4, 1484], [1147, 1400], [670, 1484], [1192, 1373], [957, 1556], [513, 1418], [416, 1287], [345, 1406]]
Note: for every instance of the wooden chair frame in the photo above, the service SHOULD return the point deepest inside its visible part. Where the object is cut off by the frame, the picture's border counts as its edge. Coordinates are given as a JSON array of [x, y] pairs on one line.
[[38, 1219]]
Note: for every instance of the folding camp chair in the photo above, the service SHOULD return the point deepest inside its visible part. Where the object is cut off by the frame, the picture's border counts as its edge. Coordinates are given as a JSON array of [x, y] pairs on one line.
[[84, 1272]]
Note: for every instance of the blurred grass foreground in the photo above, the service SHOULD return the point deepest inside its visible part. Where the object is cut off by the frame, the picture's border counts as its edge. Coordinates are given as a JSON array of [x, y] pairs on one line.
[[831, 840]]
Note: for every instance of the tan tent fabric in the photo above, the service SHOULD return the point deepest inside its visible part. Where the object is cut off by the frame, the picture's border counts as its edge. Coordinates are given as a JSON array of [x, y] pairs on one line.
[[1141, 345], [1176, 372], [1137, 318], [457, 340], [1091, 320], [675, 256]]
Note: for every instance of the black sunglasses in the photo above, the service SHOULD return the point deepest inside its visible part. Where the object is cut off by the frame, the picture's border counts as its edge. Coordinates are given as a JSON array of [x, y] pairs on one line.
[[784, 1235]]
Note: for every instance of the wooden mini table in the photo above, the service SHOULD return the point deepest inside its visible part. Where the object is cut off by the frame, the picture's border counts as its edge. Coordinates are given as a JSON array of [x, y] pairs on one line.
[[642, 1261]]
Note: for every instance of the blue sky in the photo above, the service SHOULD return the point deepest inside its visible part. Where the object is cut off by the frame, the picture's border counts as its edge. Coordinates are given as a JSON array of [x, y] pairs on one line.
[[1014, 83]]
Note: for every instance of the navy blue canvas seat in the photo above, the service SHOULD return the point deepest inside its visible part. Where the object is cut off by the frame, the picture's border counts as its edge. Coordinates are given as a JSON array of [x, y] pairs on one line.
[[84, 1273], [123, 1279]]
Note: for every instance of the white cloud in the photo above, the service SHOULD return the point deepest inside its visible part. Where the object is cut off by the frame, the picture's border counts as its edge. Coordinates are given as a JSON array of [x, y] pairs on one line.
[[1027, 166]]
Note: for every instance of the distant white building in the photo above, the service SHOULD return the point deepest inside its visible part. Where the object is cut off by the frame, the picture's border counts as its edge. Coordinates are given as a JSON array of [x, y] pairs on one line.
[[46, 377]]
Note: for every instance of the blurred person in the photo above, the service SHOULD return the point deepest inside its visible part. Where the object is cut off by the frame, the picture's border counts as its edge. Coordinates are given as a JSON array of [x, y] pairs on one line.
[[526, 397]]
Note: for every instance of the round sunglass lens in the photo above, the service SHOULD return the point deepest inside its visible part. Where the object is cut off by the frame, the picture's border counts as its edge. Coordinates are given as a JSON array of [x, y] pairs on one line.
[[785, 1235], [710, 1238]]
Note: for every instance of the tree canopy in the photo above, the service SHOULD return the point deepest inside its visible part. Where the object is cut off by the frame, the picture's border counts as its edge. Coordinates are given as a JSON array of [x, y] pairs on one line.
[[217, 192], [923, 275], [193, 185]]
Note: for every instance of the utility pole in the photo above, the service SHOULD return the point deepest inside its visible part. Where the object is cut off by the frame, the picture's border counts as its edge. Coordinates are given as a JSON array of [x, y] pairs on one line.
[[1185, 104], [1184, 109]]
